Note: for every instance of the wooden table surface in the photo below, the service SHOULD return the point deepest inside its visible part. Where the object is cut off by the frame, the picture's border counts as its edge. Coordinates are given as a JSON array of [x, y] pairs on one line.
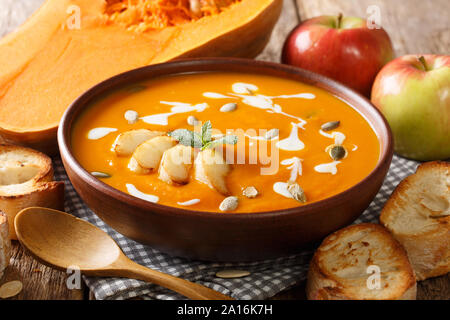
[[415, 26]]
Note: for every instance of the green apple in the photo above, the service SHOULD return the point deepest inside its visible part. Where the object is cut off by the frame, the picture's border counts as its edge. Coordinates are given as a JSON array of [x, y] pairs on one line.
[[413, 93]]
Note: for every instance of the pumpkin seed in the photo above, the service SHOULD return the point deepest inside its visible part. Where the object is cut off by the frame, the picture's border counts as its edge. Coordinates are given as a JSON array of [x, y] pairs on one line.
[[232, 274], [330, 125], [131, 116], [229, 107], [99, 174], [229, 204], [250, 192], [195, 6], [10, 289], [192, 121], [296, 191], [336, 152], [271, 134]]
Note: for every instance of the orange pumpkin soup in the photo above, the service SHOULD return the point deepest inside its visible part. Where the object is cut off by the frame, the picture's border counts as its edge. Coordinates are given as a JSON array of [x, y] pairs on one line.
[[225, 142]]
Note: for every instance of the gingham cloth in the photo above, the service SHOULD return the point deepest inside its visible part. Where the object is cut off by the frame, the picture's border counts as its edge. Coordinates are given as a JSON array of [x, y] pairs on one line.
[[267, 277]]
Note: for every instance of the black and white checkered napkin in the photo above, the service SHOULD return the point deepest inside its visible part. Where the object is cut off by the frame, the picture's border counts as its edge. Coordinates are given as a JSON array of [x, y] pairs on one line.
[[267, 277]]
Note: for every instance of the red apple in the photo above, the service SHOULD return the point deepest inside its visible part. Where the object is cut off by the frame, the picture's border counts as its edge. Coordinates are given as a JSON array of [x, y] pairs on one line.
[[342, 48], [413, 93]]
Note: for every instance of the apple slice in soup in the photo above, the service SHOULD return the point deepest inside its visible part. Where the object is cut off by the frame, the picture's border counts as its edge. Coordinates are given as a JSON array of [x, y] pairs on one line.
[[211, 169], [128, 141], [147, 156], [176, 163]]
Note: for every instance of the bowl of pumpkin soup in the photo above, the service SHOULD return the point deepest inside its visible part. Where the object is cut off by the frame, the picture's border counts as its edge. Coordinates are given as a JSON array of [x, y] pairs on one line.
[[225, 159]]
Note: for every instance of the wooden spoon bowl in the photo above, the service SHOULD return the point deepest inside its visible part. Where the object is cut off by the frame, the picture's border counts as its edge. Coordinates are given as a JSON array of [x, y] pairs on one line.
[[63, 241]]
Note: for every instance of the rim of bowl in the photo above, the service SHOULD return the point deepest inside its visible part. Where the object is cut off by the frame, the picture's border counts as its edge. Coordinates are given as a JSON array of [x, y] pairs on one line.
[[132, 76]]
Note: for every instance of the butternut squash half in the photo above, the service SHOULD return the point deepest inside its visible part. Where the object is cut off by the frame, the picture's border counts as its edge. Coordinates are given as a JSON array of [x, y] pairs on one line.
[[67, 46]]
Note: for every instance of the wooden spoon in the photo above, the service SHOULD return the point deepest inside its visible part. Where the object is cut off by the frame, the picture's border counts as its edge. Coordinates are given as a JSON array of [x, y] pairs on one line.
[[61, 240]]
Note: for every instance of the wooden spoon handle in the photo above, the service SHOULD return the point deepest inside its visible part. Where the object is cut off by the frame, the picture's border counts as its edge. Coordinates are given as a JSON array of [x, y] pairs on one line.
[[191, 290]]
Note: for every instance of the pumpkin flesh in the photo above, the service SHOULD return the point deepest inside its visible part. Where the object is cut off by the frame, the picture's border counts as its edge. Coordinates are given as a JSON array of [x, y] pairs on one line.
[[44, 66]]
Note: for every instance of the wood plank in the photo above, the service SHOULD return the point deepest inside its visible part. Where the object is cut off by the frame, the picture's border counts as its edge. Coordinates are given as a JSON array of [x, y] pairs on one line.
[[288, 20], [431, 289], [39, 282], [434, 289], [415, 26]]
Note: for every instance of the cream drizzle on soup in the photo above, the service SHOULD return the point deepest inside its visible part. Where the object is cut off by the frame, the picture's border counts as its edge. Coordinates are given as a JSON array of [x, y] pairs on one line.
[[293, 111]]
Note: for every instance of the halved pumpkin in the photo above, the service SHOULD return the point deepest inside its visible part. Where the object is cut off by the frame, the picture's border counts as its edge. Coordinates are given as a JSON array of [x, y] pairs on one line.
[[49, 61]]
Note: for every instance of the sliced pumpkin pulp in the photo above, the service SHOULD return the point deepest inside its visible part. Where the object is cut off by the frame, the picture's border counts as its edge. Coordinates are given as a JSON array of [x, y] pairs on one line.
[[45, 65]]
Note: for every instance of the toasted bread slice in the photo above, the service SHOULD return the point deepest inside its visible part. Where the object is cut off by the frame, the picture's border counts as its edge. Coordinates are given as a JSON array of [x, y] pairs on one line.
[[176, 164], [343, 266], [128, 141], [26, 181], [5, 243], [418, 215], [211, 169]]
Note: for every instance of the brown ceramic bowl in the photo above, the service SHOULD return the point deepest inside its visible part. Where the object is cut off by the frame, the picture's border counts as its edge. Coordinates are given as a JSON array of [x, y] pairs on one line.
[[224, 237]]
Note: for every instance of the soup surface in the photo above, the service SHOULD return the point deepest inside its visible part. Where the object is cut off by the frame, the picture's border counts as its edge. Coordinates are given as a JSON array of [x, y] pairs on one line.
[[296, 144]]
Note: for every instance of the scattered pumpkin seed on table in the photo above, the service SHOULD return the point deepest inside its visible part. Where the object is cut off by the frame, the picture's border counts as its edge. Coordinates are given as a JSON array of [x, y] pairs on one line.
[[10, 289], [232, 274]]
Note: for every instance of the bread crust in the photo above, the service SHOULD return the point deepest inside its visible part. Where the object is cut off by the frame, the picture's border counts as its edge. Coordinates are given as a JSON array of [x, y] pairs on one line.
[[418, 216], [26, 181], [5, 243], [339, 267]]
